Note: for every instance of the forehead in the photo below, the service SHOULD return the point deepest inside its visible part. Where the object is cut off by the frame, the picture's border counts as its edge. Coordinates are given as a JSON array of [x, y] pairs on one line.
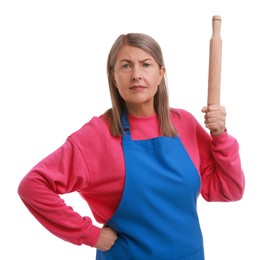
[[132, 53]]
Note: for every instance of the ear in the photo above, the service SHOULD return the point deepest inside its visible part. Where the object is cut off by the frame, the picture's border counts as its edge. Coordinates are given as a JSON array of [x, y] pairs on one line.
[[113, 80], [162, 73], [115, 83]]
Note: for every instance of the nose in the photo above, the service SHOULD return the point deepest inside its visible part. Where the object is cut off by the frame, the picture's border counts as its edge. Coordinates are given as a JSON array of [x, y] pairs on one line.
[[136, 78], [136, 75]]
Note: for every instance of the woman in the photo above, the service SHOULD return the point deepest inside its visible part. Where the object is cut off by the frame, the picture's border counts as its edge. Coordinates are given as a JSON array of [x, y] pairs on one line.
[[140, 166]]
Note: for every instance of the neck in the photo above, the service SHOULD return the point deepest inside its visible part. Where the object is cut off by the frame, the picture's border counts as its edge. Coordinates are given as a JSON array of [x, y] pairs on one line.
[[140, 111]]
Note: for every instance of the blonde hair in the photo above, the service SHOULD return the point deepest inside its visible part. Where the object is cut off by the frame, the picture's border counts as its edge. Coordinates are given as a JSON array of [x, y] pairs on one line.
[[161, 101]]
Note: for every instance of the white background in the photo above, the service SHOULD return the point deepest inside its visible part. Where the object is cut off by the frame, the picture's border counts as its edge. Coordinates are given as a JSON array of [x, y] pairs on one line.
[[53, 80]]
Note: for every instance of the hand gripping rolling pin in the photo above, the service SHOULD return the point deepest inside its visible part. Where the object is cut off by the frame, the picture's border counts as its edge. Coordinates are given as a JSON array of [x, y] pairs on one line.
[[215, 58]]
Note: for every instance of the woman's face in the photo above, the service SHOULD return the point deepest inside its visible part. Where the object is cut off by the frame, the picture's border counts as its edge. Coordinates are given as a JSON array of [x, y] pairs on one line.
[[137, 76]]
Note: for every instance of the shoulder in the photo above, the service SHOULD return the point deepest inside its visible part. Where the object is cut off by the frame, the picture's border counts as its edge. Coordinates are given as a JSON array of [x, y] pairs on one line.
[[178, 114], [185, 122], [93, 130]]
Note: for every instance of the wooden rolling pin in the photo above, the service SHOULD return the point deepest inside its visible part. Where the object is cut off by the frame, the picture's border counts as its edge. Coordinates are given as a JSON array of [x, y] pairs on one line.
[[215, 59]]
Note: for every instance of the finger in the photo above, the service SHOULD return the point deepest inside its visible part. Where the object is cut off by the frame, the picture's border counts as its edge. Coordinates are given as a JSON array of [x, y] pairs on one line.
[[204, 109]]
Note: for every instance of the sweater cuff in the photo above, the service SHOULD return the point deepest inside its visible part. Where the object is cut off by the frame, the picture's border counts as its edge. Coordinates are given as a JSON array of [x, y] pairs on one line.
[[221, 139], [93, 237]]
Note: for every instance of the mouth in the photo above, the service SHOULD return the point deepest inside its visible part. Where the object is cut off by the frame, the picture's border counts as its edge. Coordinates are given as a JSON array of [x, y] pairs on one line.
[[137, 87]]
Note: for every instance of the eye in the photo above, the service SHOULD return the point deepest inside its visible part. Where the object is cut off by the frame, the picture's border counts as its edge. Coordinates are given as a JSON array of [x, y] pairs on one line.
[[145, 64], [126, 65]]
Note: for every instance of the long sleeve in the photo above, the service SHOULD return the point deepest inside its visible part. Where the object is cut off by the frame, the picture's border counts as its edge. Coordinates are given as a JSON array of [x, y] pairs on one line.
[[91, 162], [61, 172], [222, 180], [217, 159]]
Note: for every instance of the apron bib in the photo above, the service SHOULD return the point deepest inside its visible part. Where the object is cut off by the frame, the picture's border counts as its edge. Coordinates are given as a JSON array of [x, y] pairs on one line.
[[157, 216]]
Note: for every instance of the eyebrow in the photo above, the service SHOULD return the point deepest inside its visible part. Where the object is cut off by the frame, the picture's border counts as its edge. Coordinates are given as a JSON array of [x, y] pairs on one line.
[[127, 60]]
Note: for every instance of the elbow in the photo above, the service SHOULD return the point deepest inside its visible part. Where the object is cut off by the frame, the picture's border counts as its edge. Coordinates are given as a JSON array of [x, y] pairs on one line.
[[22, 189], [238, 190], [234, 190], [25, 188], [238, 193], [225, 193], [234, 193]]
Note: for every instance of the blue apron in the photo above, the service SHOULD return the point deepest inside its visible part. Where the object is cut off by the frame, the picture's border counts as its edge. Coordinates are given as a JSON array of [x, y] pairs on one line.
[[157, 216]]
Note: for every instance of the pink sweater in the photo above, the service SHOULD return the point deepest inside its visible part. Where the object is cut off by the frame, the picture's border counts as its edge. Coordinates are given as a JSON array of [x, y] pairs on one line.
[[91, 163]]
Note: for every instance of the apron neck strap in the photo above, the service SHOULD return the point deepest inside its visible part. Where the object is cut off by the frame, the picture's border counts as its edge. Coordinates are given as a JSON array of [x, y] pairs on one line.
[[125, 125]]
